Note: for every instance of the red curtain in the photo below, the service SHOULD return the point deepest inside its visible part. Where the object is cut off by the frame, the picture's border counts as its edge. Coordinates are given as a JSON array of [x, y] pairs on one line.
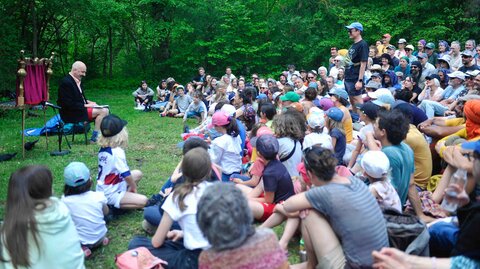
[[35, 84]]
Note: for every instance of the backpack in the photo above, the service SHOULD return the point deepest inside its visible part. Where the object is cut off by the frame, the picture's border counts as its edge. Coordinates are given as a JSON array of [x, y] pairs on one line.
[[407, 232], [138, 258]]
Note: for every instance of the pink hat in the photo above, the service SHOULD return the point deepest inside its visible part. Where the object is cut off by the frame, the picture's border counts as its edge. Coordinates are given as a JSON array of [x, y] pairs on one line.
[[220, 118]]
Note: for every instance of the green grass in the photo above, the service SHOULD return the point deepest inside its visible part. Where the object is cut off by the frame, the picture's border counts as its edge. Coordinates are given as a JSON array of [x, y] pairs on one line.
[[152, 149]]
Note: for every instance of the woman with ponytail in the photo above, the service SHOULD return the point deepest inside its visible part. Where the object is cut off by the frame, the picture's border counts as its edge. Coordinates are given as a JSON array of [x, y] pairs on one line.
[[226, 150], [181, 248]]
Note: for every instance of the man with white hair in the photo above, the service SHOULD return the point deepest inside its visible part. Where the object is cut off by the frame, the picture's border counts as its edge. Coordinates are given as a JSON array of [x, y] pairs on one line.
[[76, 108], [455, 56], [338, 61]]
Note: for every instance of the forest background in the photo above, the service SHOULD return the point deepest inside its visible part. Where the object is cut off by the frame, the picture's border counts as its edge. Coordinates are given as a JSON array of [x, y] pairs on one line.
[[124, 41]]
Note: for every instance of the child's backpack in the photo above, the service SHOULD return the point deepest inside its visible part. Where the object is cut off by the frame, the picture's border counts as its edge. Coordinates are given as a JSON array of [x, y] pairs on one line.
[[138, 258], [407, 232]]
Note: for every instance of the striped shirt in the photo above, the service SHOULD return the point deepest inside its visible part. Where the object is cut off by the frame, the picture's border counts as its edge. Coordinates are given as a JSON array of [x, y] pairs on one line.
[[355, 217]]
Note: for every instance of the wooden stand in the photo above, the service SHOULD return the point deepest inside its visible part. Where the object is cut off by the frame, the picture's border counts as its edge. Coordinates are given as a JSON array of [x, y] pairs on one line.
[[21, 74]]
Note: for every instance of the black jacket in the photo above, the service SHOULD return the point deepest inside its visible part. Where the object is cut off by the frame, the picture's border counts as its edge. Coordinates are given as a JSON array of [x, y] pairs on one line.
[[72, 101]]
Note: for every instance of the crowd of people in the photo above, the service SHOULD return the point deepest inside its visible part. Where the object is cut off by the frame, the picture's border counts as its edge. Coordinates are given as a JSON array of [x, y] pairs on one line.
[[327, 153]]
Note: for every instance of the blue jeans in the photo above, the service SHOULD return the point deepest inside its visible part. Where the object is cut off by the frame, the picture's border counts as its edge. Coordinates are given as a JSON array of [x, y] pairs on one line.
[[173, 252], [226, 177], [242, 177], [443, 236], [432, 108]]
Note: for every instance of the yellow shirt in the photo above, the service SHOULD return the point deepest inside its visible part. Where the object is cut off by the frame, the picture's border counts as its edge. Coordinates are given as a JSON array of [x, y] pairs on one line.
[[347, 124], [454, 122], [422, 156]]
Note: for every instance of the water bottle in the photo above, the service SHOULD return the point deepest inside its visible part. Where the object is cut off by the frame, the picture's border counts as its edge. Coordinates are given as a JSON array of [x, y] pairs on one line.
[[449, 202], [302, 252]]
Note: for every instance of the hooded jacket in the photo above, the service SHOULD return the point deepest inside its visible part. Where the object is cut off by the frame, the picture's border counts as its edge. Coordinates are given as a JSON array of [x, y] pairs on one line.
[[58, 240]]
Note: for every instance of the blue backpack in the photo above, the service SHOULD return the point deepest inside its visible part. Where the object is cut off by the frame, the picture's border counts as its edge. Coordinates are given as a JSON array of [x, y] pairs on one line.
[[51, 127]]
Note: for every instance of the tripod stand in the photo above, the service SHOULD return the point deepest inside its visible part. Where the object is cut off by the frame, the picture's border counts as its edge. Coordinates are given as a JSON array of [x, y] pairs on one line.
[[60, 132]]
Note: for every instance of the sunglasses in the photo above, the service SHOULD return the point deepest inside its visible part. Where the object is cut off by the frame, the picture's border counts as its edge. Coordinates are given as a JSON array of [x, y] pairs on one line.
[[414, 67], [465, 56]]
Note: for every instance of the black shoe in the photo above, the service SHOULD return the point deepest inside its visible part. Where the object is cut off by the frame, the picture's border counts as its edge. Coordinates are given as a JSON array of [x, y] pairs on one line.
[[156, 199], [186, 129]]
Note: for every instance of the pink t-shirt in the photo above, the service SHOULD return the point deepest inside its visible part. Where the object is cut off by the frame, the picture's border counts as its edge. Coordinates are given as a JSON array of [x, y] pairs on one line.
[[257, 167]]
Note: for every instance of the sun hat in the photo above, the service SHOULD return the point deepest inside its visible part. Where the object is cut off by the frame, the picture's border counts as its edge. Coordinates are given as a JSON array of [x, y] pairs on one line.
[[76, 174], [375, 164], [402, 41]]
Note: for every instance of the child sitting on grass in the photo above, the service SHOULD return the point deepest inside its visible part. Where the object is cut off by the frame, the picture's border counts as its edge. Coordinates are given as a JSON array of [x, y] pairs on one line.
[[87, 208], [38, 231], [181, 248], [256, 170], [115, 179], [336, 131], [368, 114], [196, 109], [226, 150], [376, 166], [277, 185]]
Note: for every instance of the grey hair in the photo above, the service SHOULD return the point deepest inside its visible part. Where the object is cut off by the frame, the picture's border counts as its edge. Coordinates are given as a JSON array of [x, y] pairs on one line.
[[224, 217]]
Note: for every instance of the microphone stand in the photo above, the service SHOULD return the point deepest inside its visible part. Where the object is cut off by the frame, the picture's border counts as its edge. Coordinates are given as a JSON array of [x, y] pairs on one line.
[[60, 133]]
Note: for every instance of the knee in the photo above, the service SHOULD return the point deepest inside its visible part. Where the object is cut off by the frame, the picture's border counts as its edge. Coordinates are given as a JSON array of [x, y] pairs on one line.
[[105, 111], [137, 175]]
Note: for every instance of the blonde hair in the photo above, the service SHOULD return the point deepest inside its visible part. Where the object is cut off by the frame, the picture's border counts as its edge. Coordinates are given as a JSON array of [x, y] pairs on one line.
[[118, 140], [332, 124]]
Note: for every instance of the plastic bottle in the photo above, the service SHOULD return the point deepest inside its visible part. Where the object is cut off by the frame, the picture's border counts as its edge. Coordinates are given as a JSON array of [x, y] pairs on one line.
[[459, 178], [302, 252]]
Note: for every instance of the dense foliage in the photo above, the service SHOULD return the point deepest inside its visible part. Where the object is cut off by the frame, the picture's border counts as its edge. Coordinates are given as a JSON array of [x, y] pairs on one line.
[[154, 39]]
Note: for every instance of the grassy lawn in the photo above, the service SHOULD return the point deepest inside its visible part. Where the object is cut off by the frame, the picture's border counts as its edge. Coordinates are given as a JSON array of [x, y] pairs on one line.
[[152, 149]]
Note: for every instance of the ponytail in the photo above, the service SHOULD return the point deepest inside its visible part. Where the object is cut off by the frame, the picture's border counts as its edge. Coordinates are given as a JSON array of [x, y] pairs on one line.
[[232, 127]]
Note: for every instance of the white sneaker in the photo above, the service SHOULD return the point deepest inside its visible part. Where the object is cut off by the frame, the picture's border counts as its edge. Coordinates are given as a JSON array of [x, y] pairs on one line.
[[140, 107]]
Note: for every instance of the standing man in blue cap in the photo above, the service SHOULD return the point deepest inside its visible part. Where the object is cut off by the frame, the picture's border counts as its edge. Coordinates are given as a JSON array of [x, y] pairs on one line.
[[355, 64]]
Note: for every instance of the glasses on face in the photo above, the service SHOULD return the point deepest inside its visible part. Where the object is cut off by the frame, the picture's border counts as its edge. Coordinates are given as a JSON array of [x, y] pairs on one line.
[[311, 77], [465, 56], [414, 67], [263, 87]]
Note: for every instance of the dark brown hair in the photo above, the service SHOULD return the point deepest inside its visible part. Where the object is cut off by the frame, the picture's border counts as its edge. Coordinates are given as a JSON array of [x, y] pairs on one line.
[[28, 190]]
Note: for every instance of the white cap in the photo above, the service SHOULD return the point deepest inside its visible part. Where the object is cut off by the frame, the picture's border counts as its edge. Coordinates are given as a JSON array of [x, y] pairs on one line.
[[377, 93], [318, 139], [457, 74], [316, 119], [229, 109], [375, 163]]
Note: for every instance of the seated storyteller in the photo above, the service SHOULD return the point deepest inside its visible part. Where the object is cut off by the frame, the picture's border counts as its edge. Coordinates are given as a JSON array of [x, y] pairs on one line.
[[76, 108]]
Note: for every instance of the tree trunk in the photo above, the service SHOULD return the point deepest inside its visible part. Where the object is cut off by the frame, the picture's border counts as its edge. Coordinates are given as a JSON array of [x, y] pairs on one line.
[[33, 11], [110, 48]]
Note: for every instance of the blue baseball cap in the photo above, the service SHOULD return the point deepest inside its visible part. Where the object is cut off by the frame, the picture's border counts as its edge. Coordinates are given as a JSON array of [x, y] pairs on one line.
[[340, 92], [335, 114], [267, 146], [355, 25], [76, 174], [475, 146], [261, 96], [313, 85]]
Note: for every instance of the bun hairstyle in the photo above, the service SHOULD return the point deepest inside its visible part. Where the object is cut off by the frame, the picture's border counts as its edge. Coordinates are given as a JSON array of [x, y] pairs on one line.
[[320, 161], [196, 167]]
